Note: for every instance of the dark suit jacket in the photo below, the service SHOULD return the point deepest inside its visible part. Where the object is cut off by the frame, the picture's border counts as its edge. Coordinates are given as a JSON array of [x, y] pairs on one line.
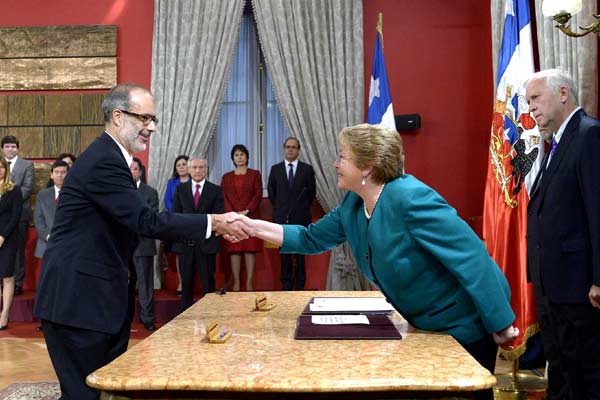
[[43, 217], [211, 202], [147, 246], [292, 206], [84, 278], [563, 232], [10, 211], [23, 175]]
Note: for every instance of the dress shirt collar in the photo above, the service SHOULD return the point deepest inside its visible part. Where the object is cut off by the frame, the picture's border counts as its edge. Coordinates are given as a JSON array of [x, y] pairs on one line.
[[128, 157], [12, 163], [137, 183], [294, 163], [56, 192], [561, 130], [201, 183]]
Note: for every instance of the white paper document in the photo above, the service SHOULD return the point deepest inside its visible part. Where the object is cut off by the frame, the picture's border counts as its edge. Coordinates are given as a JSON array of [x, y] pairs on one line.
[[339, 319], [345, 304]]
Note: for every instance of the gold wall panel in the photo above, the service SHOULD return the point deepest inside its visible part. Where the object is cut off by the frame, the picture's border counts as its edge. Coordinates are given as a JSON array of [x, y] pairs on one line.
[[61, 139], [58, 73], [91, 109], [3, 110], [88, 134], [31, 141], [2, 132], [62, 109], [42, 174], [26, 110], [58, 41]]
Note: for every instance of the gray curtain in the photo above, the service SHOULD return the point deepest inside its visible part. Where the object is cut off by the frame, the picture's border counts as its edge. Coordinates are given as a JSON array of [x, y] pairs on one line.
[[193, 46], [578, 56], [314, 54]]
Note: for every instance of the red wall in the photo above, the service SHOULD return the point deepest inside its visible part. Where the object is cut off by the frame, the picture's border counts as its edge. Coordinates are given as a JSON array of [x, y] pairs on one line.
[[134, 21], [439, 64]]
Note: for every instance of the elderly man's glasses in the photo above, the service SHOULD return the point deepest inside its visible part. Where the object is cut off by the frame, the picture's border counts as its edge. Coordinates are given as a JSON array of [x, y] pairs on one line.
[[144, 118]]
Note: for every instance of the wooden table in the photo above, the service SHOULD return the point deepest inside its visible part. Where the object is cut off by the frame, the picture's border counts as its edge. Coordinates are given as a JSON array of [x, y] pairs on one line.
[[263, 361]]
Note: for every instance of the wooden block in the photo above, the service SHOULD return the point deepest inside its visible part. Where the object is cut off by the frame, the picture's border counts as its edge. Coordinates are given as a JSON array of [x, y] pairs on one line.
[[31, 141], [25, 110], [62, 109], [58, 73], [61, 139], [91, 109], [3, 110], [88, 134], [3, 132], [58, 41]]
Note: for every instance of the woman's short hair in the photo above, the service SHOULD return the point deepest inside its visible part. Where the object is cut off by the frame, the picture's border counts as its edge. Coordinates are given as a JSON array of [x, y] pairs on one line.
[[243, 149], [179, 157], [376, 146]]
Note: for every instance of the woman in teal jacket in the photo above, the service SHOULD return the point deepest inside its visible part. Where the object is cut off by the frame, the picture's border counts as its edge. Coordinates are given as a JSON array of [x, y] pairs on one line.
[[410, 244]]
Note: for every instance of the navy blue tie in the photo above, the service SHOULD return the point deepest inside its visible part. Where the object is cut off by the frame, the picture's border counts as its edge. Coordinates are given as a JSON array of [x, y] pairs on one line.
[[291, 175], [553, 148]]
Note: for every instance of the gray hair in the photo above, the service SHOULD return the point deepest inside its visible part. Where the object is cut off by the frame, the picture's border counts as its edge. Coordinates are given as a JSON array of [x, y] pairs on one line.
[[119, 97], [555, 79]]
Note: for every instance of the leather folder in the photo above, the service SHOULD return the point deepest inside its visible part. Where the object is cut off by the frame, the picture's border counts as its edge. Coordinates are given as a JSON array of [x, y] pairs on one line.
[[308, 311], [380, 327]]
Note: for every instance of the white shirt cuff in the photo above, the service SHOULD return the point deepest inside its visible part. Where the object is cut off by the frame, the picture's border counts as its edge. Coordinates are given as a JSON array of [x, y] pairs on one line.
[[208, 226]]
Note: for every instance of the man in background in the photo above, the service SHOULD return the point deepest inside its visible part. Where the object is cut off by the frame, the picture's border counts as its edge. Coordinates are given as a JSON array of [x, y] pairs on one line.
[[197, 196], [143, 257], [22, 174], [292, 190], [563, 237]]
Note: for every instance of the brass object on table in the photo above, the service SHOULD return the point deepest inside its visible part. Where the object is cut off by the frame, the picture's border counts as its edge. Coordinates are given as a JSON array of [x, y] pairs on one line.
[[262, 304], [214, 334]]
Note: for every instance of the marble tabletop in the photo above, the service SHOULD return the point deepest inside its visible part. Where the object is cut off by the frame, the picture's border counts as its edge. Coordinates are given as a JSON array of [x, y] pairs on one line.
[[263, 356]]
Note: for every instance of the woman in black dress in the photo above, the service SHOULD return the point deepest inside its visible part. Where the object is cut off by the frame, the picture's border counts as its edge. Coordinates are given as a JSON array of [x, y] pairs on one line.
[[11, 203]]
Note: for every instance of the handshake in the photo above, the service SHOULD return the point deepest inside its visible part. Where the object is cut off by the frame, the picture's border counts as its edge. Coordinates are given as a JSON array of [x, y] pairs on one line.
[[235, 227]]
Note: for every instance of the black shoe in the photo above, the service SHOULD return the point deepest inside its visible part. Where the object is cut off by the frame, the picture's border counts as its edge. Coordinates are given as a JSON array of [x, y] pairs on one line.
[[39, 328], [18, 290], [178, 292], [149, 326], [3, 328]]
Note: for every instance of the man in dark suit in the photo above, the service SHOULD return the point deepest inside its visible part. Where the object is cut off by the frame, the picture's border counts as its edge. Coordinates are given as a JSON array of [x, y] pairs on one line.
[[292, 189], [563, 237], [45, 206], [84, 297], [197, 195], [143, 257], [22, 174]]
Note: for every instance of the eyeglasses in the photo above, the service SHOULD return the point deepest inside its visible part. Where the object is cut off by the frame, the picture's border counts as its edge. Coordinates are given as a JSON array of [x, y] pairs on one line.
[[143, 118]]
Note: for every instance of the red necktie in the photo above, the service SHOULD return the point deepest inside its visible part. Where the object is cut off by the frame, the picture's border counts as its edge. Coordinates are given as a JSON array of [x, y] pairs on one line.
[[197, 196]]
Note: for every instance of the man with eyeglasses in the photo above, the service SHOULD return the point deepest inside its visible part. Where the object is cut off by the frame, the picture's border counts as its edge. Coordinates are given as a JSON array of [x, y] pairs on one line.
[[84, 298], [292, 190]]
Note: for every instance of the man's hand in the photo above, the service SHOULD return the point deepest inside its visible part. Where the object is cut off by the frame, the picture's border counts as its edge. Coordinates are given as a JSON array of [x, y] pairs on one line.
[[506, 337], [1, 240], [231, 225], [595, 296]]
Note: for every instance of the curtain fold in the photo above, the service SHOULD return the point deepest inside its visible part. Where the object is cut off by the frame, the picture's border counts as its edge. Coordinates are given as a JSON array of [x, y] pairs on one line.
[[193, 45], [314, 55], [578, 56]]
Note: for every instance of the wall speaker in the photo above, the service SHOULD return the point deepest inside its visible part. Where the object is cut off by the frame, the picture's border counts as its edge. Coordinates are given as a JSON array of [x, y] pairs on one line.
[[407, 122]]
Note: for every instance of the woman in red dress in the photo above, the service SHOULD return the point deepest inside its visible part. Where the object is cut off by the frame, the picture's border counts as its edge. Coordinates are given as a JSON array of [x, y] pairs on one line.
[[242, 189]]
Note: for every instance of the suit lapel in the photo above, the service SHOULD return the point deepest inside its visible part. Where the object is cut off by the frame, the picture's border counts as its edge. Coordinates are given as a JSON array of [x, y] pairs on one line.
[[563, 145]]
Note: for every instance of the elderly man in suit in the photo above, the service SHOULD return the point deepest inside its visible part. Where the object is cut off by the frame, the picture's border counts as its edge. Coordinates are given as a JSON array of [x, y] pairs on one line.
[[85, 298], [292, 189], [143, 257], [563, 237], [22, 174], [197, 195]]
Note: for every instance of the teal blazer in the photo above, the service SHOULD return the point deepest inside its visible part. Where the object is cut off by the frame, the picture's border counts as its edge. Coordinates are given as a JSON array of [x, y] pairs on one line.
[[424, 258]]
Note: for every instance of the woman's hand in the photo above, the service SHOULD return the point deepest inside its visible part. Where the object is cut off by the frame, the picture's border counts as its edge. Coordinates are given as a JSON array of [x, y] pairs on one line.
[[506, 337]]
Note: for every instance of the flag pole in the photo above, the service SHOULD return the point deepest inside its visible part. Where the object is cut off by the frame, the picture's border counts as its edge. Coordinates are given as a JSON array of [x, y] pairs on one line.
[[380, 27]]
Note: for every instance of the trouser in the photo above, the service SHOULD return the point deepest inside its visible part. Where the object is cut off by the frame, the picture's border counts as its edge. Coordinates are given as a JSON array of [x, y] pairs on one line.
[[195, 260], [485, 352], [292, 278], [144, 268], [20, 259], [75, 353]]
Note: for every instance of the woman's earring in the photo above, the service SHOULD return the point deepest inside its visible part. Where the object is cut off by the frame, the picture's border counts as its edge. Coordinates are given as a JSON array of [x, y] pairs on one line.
[[363, 182]]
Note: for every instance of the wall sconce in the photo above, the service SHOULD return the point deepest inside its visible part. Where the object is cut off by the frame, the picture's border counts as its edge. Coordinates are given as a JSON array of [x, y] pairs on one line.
[[562, 10]]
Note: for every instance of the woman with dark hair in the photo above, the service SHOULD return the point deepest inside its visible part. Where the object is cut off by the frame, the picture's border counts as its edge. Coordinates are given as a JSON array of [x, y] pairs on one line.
[[180, 175], [410, 244], [242, 189], [11, 203]]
